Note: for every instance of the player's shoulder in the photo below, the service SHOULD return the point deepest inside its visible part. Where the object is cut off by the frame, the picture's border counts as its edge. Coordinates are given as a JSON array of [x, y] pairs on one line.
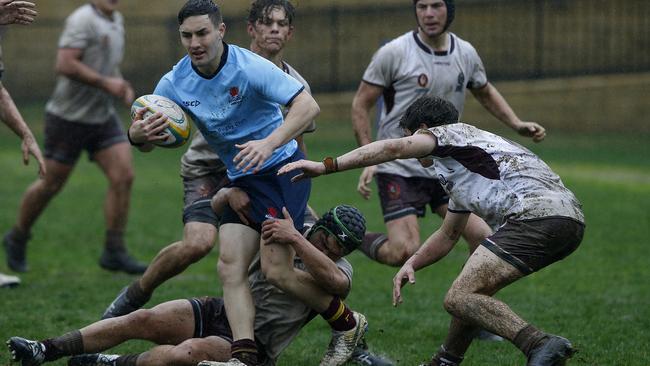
[[296, 75], [82, 14], [462, 45], [397, 46]]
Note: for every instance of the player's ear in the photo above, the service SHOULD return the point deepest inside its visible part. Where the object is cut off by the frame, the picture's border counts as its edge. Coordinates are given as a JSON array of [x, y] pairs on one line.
[[250, 28], [290, 34]]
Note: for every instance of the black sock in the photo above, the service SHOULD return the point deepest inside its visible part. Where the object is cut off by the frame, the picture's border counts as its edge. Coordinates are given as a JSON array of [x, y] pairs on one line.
[[18, 236], [127, 360], [114, 240], [371, 244], [135, 293], [245, 350], [528, 338], [68, 344]]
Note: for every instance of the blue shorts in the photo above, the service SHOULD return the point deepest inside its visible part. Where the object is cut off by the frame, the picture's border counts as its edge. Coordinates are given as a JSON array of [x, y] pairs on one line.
[[269, 192]]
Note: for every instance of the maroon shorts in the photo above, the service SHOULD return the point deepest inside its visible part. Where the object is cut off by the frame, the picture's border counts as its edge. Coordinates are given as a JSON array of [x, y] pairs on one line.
[[402, 196], [531, 245], [65, 140]]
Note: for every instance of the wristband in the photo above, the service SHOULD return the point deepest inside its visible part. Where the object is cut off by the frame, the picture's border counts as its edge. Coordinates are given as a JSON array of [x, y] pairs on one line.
[[331, 165], [136, 144]]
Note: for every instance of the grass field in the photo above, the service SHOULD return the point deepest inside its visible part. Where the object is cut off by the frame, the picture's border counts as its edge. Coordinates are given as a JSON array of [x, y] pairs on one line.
[[599, 297]]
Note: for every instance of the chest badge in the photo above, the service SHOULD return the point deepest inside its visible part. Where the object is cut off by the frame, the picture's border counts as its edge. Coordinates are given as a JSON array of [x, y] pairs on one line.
[[423, 80]]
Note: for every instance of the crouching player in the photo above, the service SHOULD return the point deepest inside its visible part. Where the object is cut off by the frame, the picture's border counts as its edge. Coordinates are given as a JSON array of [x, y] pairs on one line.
[[191, 330]]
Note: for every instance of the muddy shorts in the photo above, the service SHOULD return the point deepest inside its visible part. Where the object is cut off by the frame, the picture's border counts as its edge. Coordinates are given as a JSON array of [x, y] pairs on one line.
[[531, 245], [197, 194], [402, 196]]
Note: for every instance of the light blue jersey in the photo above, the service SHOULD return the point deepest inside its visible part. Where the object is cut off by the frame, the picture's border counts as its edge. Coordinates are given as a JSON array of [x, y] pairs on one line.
[[239, 103]]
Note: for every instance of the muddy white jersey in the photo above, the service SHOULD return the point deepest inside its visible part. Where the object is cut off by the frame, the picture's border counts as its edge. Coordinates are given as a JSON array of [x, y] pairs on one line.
[[408, 69], [496, 178]]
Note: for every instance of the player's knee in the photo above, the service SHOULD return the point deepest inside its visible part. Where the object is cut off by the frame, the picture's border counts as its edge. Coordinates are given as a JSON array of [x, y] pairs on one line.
[[396, 255], [141, 319], [454, 300], [276, 275], [123, 180], [194, 250], [230, 272], [183, 354]]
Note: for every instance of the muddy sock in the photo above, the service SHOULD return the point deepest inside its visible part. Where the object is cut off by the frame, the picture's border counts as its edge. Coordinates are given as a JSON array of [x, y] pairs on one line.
[[135, 293], [528, 338], [371, 244], [68, 344], [114, 240], [245, 350], [339, 316]]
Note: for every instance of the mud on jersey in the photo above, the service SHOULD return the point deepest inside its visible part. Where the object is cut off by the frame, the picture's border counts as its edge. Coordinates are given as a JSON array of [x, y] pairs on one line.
[[496, 178]]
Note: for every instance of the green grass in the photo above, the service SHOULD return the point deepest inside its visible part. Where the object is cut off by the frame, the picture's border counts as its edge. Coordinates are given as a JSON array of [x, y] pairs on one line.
[[598, 297]]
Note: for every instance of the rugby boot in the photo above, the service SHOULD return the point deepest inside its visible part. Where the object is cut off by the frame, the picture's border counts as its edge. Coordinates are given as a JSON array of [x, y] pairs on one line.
[[362, 356], [344, 342], [28, 353], [93, 359], [122, 305], [15, 244], [553, 352], [231, 362], [9, 281], [120, 260]]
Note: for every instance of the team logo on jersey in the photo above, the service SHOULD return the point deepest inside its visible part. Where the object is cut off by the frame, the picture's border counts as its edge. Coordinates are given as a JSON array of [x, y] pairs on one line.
[[447, 185], [394, 190], [235, 97], [423, 80], [271, 213], [460, 83]]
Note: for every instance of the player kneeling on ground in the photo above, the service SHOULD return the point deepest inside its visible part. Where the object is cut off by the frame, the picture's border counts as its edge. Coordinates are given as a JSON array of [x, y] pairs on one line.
[[197, 329], [537, 221]]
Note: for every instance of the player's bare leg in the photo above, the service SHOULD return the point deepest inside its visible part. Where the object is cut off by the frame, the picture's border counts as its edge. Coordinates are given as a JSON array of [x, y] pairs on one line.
[[238, 245], [36, 198], [403, 240], [116, 163]]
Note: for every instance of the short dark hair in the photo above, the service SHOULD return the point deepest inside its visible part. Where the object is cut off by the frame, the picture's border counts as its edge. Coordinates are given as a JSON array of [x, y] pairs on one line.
[[261, 9], [200, 7], [432, 111]]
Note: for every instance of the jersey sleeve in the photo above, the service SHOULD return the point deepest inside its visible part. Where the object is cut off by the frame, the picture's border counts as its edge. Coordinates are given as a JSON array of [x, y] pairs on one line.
[[380, 71], [77, 31], [452, 206], [477, 78], [165, 88], [346, 268], [272, 82]]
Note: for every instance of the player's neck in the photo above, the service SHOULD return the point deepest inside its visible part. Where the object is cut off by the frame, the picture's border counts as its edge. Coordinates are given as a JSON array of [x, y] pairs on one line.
[[437, 43], [276, 58]]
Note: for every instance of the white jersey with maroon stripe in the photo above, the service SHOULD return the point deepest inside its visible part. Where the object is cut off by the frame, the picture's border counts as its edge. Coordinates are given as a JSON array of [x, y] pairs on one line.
[[408, 69], [496, 178]]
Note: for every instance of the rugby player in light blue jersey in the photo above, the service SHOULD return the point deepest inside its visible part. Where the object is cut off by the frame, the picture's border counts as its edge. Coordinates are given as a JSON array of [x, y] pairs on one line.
[[234, 97]]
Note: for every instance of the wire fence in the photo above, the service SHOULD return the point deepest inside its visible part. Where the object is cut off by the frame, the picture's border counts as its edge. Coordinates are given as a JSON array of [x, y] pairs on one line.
[[517, 39]]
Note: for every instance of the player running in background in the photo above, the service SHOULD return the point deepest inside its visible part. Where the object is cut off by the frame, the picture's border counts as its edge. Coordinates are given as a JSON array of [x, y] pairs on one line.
[[428, 61], [234, 98], [270, 25], [197, 329], [537, 221], [17, 12], [80, 116]]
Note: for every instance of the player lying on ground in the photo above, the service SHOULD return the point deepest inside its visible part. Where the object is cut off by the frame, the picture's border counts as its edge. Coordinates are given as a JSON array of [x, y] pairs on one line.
[[537, 221], [192, 330]]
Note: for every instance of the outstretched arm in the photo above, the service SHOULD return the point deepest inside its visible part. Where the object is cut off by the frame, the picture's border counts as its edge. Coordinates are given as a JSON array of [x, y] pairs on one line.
[[493, 101], [434, 248], [10, 115], [415, 146]]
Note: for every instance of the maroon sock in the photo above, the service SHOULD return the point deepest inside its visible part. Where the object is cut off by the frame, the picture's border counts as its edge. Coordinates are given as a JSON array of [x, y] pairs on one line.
[[339, 315], [245, 350], [68, 344], [371, 244]]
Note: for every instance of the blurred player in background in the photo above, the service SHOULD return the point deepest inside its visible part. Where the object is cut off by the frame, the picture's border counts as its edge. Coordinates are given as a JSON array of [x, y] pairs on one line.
[[80, 116], [17, 12], [536, 221], [428, 61], [197, 329]]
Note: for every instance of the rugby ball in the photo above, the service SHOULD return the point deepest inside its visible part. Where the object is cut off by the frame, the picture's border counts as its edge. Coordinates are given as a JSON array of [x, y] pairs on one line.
[[179, 128]]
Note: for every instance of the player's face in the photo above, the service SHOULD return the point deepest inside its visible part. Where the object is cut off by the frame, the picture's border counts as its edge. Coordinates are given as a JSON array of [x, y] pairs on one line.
[[270, 34], [106, 6], [326, 243], [431, 16], [202, 40]]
